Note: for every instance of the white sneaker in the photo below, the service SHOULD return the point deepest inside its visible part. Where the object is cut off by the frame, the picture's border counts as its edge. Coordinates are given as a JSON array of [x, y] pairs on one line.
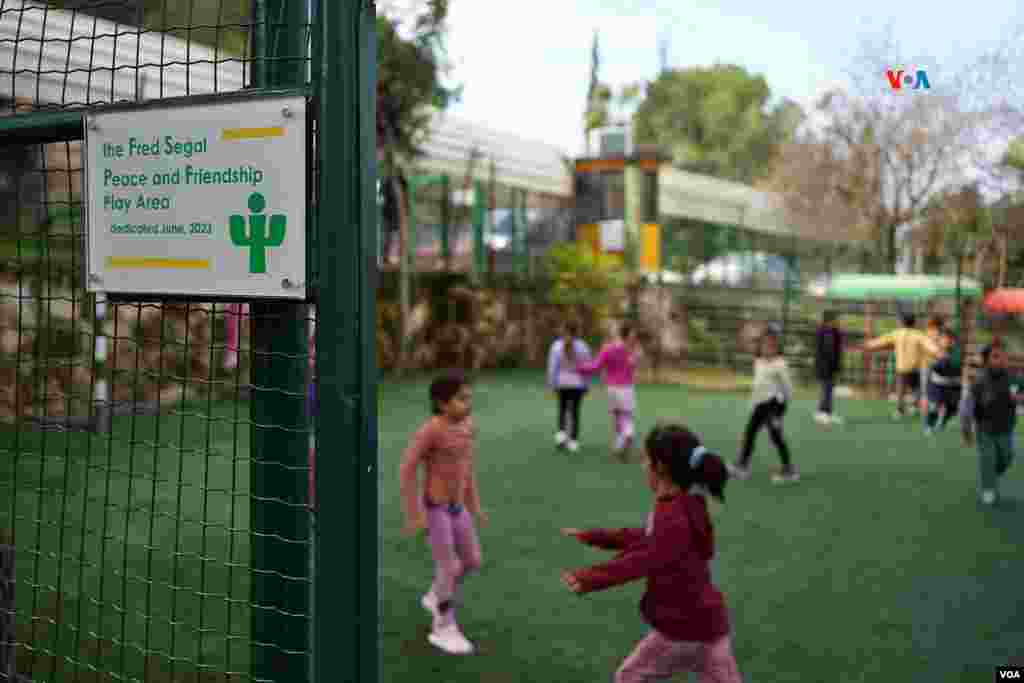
[[786, 477], [988, 497], [835, 419], [573, 446], [450, 639], [429, 602], [822, 418], [738, 471], [560, 439]]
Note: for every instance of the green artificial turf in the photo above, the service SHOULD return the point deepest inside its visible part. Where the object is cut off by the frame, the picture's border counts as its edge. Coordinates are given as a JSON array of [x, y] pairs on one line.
[[879, 566]]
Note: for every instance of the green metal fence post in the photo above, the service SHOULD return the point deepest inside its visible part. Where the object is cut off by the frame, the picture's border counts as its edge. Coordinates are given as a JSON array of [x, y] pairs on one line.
[[524, 233], [492, 204], [633, 181], [789, 290], [280, 523], [446, 219], [479, 216], [516, 227], [412, 244], [347, 613], [408, 267]]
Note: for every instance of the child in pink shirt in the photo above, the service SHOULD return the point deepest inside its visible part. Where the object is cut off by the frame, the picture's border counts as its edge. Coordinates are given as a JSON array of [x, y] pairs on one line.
[[443, 448], [618, 360]]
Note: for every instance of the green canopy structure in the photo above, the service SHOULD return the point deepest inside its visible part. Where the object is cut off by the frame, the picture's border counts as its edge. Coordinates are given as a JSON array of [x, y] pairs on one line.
[[899, 287]]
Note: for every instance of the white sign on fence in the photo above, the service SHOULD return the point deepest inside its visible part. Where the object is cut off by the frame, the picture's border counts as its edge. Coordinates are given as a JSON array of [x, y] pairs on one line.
[[198, 200], [613, 236]]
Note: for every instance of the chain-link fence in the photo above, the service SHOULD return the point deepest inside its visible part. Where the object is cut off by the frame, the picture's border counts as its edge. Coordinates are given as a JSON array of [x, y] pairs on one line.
[[703, 313], [156, 490]]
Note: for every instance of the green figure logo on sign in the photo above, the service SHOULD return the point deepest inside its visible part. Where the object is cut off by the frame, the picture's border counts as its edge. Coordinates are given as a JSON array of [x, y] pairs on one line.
[[258, 238]]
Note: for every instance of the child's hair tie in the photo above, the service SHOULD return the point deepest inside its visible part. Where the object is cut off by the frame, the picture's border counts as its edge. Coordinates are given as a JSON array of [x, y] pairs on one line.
[[697, 456]]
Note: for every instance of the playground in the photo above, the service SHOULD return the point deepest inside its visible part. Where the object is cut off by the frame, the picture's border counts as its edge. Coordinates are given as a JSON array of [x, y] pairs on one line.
[[879, 565], [200, 438]]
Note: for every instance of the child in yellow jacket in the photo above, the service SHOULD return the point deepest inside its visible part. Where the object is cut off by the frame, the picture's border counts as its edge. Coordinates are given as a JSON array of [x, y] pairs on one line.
[[914, 350]]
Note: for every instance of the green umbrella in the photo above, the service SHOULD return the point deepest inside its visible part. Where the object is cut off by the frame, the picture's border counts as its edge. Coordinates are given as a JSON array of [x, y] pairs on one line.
[[898, 287]]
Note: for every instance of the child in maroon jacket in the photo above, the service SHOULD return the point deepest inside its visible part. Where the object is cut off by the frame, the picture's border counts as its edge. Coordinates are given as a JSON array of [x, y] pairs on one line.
[[688, 614]]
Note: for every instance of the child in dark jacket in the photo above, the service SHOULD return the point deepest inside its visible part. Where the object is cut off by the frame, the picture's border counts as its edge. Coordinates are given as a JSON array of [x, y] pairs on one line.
[[828, 363], [944, 384], [990, 410], [687, 613]]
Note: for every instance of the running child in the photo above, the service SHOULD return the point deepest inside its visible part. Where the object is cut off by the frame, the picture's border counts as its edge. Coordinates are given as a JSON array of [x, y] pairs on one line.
[[619, 359], [450, 499], [687, 614], [914, 350], [828, 363], [570, 385], [944, 384], [989, 412], [771, 394]]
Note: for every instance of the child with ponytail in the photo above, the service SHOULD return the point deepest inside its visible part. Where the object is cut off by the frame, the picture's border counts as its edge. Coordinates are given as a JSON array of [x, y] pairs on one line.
[[689, 620]]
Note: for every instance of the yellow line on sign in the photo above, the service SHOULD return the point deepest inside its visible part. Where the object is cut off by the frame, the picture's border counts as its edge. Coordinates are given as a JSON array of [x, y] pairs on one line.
[[250, 133], [157, 262]]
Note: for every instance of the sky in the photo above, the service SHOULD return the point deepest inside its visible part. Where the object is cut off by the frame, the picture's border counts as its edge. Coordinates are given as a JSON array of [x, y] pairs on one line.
[[525, 65]]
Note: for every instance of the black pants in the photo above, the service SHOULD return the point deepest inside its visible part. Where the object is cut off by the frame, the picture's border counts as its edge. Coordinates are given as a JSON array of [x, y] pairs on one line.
[[768, 414], [828, 387], [942, 397], [569, 401]]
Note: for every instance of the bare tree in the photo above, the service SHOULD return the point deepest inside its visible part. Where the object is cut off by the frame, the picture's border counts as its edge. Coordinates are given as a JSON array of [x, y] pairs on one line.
[[871, 160]]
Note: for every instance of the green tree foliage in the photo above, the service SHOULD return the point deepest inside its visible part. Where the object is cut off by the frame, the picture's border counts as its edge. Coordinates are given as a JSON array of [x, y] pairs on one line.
[[1014, 157], [410, 73], [411, 66], [1010, 217], [716, 120], [580, 277]]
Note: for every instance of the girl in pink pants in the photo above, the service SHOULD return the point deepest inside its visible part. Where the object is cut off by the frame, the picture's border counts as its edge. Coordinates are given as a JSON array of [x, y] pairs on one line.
[[618, 360], [443, 448]]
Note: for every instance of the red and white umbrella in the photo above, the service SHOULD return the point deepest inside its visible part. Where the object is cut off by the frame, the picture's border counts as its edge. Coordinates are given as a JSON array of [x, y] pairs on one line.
[[1004, 300]]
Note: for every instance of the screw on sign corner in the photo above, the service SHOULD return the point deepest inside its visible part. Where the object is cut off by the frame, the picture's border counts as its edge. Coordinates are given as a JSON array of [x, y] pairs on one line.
[[257, 238]]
